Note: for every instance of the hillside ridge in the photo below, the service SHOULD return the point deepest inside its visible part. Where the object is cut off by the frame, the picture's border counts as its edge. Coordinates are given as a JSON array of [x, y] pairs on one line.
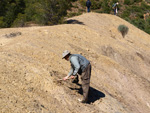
[[31, 64]]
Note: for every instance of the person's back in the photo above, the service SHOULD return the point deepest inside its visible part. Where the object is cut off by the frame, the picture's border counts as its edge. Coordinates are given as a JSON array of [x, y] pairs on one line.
[[82, 61], [88, 5]]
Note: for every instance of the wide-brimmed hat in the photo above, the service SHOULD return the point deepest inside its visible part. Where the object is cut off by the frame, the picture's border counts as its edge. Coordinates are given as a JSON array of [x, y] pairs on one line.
[[65, 53]]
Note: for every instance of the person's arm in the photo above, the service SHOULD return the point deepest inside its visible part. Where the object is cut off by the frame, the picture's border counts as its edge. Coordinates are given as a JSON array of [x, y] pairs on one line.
[[75, 63], [114, 5], [69, 74]]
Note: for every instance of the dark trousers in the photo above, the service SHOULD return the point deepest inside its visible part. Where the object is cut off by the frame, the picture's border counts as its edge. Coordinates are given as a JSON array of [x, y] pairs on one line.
[[88, 9], [85, 79], [115, 11]]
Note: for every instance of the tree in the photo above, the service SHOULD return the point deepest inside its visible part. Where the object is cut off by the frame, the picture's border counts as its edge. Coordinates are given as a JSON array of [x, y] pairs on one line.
[[9, 9], [47, 12]]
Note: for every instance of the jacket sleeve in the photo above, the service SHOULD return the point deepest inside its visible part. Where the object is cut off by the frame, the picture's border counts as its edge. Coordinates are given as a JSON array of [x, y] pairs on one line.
[[114, 5], [71, 71], [75, 63]]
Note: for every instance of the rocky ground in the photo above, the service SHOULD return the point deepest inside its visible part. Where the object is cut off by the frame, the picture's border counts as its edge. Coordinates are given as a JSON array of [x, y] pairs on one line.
[[31, 65]]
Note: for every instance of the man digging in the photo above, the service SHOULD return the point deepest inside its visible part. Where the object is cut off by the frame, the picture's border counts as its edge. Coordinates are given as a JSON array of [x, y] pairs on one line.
[[82, 66]]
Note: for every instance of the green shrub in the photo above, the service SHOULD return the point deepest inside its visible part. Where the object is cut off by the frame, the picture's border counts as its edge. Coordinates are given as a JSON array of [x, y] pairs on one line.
[[140, 23], [47, 12], [128, 2], [147, 1], [105, 6], [19, 21], [145, 6], [115, 1], [83, 2], [137, 0], [147, 25], [125, 14], [2, 23], [123, 30], [95, 4]]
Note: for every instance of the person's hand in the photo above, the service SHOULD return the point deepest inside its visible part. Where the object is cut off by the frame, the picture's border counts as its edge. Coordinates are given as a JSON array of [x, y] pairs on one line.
[[72, 77], [65, 78]]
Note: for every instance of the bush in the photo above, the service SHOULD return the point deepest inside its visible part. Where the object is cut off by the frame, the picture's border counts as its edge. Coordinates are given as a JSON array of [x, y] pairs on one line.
[[95, 4], [13, 13], [145, 6], [105, 6], [115, 1], [47, 12], [125, 14], [140, 23], [82, 2], [123, 30], [137, 0], [128, 2], [2, 24], [147, 1], [19, 21], [147, 25]]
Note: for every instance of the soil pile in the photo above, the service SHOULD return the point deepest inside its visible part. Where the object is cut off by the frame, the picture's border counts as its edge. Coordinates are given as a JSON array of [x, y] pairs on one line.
[[31, 64]]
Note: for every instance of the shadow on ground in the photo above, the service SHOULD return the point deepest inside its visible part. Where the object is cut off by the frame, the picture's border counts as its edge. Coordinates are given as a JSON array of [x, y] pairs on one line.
[[71, 21], [94, 94]]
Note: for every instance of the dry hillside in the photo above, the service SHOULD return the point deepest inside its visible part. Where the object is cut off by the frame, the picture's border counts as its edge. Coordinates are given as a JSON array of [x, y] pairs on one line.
[[31, 64]]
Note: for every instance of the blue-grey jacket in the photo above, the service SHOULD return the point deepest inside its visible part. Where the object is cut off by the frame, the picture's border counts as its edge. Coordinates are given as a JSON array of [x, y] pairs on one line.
[[78, 62]]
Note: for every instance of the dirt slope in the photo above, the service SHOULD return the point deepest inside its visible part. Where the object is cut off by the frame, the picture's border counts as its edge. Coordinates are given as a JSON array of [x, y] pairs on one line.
[[30, 64]]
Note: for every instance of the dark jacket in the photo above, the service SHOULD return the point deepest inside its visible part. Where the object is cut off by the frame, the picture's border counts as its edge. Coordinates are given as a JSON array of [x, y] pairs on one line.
[[88, 3]]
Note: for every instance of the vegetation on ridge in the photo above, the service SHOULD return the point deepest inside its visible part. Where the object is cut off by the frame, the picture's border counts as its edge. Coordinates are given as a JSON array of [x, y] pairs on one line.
[[137, 12], [17, 13]]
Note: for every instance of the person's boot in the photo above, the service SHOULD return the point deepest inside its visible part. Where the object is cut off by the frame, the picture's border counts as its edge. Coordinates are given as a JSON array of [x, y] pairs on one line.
[[82, 101], [76, 80]]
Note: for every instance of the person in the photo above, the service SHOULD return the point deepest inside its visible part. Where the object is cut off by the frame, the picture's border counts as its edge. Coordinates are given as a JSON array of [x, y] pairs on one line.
[[79, 65], [115, 8], [88, 5]]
